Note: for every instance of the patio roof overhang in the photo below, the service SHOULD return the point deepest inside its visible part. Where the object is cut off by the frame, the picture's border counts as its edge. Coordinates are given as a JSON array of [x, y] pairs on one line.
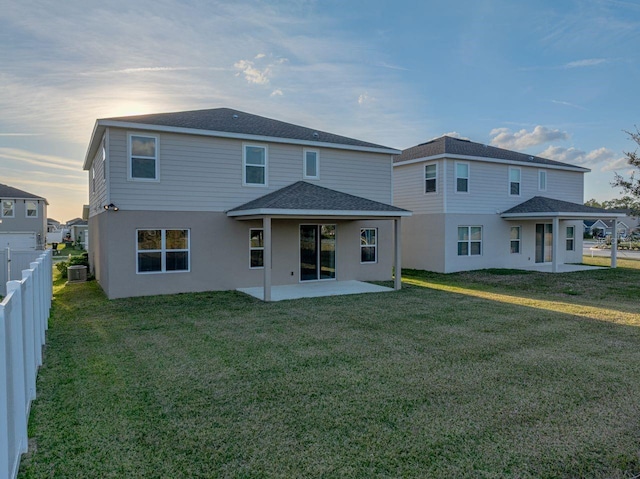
[[540, 207]]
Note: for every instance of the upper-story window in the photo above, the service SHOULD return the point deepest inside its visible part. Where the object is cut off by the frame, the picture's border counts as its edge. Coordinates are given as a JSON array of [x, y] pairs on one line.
[[514, 181], [254, 165], [430, 178], [311, 164], [8, 208], [93, 178], [143, 158], [32, 209], [542, 180], [462, 177], [104, 159]]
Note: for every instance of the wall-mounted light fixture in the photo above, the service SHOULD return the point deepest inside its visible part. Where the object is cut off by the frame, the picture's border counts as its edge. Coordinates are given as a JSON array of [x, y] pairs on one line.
[[111, 206]]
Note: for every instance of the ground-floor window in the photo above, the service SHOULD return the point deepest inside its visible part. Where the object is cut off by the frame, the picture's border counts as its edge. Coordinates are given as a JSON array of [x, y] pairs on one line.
[[162, 250], [256, 247], [368, 245], [515, 239], [570, 238], [469, 240]]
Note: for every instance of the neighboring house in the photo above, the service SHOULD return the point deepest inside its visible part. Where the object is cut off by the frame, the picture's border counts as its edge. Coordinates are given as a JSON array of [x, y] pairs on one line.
[[23, 219], [221, 199], [78, 229], [605, 228], [476, 206]]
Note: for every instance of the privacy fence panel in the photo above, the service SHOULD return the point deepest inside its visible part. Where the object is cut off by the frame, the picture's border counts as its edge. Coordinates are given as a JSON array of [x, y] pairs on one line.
[[24, 313]]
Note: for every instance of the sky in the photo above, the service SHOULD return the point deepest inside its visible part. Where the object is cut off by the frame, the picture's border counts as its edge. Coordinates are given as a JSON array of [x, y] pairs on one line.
[[555, 78]]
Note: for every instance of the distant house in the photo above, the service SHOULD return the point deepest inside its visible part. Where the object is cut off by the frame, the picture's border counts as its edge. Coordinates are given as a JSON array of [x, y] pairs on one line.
[[23, 219], [222, 199], [476, 206]]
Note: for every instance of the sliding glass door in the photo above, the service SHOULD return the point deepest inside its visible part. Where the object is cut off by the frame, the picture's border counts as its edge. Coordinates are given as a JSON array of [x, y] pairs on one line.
[[317, 252], [544, 243]]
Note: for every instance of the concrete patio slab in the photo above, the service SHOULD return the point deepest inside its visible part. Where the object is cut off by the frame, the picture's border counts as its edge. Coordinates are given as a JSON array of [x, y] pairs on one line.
[[316, 289]]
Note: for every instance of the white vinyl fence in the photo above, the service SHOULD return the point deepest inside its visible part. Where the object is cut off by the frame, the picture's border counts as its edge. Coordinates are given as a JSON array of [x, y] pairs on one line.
[[24, 313]]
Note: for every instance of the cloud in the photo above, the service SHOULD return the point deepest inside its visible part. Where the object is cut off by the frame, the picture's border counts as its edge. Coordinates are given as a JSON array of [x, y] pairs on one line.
[[259, 56], [523, 139], [253, 74], [589, 62], [617, 165], [576, 156], [40, 160], [365, 98], [566, 103], [20, 134], [276, 92]]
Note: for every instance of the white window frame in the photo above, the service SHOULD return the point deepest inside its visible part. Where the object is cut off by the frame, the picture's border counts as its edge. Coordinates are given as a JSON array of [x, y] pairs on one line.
[[570, 238], [519, 170], [104, 158], [435, 179], [256, 248], [265, 166], [13, 209], [469, 240], [517, 240], [155, 158], [304, 164], [163, 250], [462, 177], [26, 208], [93, 177], [374, 246], [542, 183]]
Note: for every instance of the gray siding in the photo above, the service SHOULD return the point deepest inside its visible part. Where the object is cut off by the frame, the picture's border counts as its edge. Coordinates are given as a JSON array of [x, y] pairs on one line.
[[98, 184], [409, 189], [489, 187], [205, 174]]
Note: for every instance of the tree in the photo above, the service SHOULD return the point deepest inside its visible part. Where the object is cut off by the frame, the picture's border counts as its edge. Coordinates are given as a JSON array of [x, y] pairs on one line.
[[631, 185], [593, 203]]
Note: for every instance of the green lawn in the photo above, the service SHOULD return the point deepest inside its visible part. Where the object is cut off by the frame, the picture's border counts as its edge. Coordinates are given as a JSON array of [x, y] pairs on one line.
[[485, 374]]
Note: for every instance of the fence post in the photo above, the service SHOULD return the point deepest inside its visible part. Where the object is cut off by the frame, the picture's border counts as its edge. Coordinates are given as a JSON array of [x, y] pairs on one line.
[[30, 336], [16, 366], [37, 303], [4, 406]]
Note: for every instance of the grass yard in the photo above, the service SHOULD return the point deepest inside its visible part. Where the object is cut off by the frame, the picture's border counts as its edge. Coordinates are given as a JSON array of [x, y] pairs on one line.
[[492, 374]]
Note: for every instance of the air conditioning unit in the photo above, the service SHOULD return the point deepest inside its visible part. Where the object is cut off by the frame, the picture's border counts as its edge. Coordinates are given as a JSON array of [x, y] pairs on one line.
[[77, 273]]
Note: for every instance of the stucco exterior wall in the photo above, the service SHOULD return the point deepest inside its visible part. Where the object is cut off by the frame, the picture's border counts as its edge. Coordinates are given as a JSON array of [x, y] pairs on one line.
[[219, 252]]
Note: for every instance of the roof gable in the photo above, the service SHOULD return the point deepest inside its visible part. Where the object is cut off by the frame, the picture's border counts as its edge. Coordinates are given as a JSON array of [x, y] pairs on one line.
[[446, 145]]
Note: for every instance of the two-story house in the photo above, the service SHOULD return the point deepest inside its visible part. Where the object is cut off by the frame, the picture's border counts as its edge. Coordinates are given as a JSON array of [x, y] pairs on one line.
[[23, 219], [476, 206], [221, 199]]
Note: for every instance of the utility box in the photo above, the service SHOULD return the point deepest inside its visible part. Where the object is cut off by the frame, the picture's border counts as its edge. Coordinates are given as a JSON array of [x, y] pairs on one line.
[[77, 273]]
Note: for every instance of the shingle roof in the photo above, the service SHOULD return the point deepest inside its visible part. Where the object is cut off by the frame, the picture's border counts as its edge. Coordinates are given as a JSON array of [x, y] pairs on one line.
[[455, 146], [542, 205], [9, 192], [306, 196], [239, 122]]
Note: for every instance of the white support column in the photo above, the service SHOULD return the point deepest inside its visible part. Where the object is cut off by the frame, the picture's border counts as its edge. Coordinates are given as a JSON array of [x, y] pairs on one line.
[[397, 238], [555, 248], [266, 228], [614, 244]]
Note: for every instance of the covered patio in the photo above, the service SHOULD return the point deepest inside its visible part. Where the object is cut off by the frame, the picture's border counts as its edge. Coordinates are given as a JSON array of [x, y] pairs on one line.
[[544, 209], [316, 204]]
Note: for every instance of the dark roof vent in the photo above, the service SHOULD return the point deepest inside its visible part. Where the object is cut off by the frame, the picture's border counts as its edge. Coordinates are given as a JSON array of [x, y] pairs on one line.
[[531, 158], [316, 135], [235, 117]]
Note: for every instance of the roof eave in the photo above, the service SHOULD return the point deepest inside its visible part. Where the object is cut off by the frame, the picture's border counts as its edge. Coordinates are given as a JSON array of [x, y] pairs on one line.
[[239, 136], [259, 212], [96, 134], [491, 160], [560, 214]]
